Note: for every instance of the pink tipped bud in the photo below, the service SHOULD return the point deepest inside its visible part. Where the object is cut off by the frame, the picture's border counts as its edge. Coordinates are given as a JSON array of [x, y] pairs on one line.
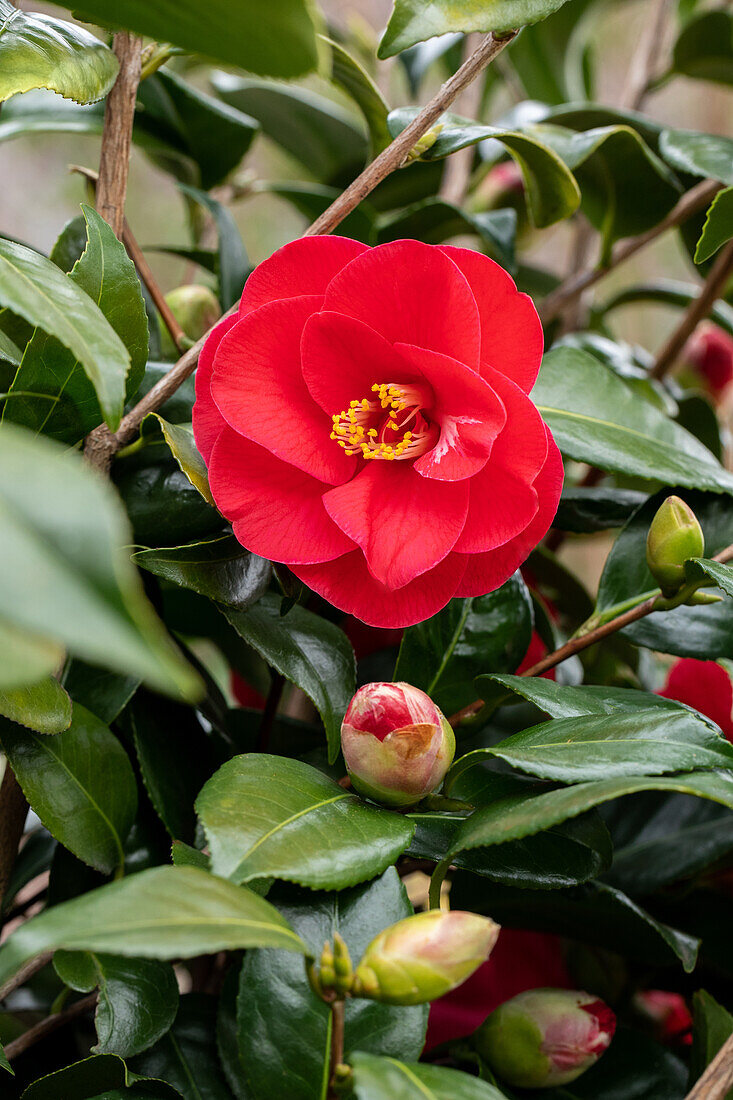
[[545, 1037], [710, 351], [424, 956], [396, 743]]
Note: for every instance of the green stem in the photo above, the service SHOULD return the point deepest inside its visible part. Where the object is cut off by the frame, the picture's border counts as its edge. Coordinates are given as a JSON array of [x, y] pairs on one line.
[[436, 883]]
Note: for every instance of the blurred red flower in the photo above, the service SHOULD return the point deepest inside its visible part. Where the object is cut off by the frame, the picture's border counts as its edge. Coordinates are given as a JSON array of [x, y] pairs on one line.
[[704, 685], [365, 420], [710, 351]]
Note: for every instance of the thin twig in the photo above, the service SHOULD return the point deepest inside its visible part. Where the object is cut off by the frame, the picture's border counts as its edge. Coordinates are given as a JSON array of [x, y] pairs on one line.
[[717, 1078], [40, 1030], [575, 645], [696, 198], [12, 820], [102, 445], [119, 113], [395, 155], [643, 63], [25, 974], [697, 310], [457, 170]]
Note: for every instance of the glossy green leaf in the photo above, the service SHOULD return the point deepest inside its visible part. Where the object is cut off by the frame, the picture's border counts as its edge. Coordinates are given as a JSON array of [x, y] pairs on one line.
[[52, 391], [9, 351], [4, 1063], [477, 634], [349, 74], [102, 692], [161, 913], [162, 504], [186, 1057], [38, 51], [284, 1029], [704, 632], [626, 189], [270, 39], [712, 1026], [81, 785], [298, 826], [718, 228], [308, 651], [672, 293], [707, 155], [592, 913], [378, 1078], [66, 573], [435, 221], [233, 266], [552, 193], [314, 130], [44, 706], [711, 572], [213, 135], [34, 287], [220, 569], [584, 510], [179, 438], [413, 20], [704, 48], [137, 1002], [107, 1072], [596, 418]]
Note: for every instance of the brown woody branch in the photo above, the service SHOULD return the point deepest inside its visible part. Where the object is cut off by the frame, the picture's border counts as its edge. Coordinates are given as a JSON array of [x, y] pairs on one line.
[[641, 70], [695, 199], [697, 310], [119, 113], [12, 821], [45, 1027], [717, 1078]]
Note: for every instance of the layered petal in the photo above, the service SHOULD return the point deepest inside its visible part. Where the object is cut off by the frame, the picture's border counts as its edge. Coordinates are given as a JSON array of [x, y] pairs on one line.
[[486, 572], [342, 358], [410, 292], [404, 524], [511, 332], [522, 446], [259, 389], [348, 585], [500, 507], [470, 415], [275, 510], [207, 420], [304, 266]]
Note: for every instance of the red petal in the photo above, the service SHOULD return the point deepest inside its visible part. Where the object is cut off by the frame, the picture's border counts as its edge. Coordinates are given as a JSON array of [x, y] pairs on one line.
[[305, 266], [348, 584], [207, 420], [343, 358], [404, 524], [704, 685], [522, 446], [411, 292], [500, 507], [259, 389], [486, 572], [511, 332], [470, 415], [275, 510]]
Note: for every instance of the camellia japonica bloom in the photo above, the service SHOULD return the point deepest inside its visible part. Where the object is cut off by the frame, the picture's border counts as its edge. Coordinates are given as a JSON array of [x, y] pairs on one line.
[[365, 421]]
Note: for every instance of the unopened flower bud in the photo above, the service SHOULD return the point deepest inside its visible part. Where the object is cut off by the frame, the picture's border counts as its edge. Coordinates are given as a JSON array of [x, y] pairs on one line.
[[396, 743], [424, 956], [327, 972], [545, 1037], [196, 308], [424, 143], [343, 970], [709, 351], [674, 536]]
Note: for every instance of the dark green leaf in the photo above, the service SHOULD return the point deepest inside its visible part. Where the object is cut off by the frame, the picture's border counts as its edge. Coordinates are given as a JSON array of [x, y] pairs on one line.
[[552, 193], [38, 51], [672, 293], [220, 569], [435, 221], [413, 21], [233, 265], [299, 825], [284, 1028], [584, 510], [34, 287], [388, 1079], [163, 505], [103, 693], [161, 913], [84, 1080], [478, 634], [596, 418], [707, 155], [179, 438], [712, 1025], [186, 1057], [137, 999], [66, 574], [718, 228], [308, 651], [270, 39], [346, 71], [704, 48], [5, 1064], [51, 392], [710, 572], [44, 706], [81, 785], [704, 632], [314, 130], [311, 199]]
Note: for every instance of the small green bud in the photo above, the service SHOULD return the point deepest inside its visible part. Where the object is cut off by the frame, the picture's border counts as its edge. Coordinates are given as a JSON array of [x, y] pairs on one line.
[[674, 536], [196, 308], [327, 972], [545, 1037], [427, 141], [342, 965], [424, 956]]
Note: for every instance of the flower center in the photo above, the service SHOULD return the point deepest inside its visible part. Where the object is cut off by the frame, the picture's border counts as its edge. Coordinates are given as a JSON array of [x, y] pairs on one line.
[[391, 425]]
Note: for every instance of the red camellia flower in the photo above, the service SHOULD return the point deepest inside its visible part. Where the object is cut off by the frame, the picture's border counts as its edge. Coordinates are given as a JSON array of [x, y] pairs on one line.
[[704, 685], [365, 421], [710, 351]]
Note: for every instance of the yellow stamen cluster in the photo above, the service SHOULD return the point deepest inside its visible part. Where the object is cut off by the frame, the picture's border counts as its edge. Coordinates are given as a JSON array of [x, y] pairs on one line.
[[350, 426]]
